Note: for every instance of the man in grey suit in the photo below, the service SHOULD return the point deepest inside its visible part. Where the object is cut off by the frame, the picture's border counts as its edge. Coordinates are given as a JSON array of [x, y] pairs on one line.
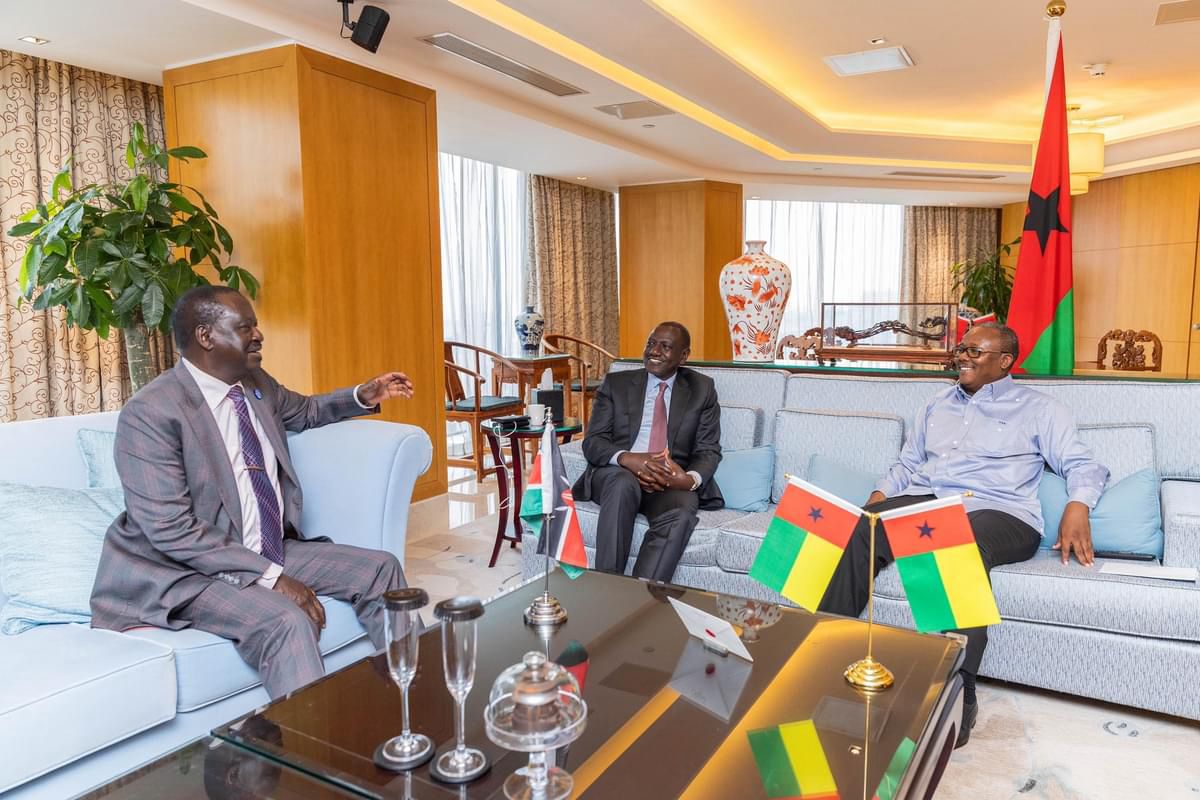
[[210, 534], [653, 443]]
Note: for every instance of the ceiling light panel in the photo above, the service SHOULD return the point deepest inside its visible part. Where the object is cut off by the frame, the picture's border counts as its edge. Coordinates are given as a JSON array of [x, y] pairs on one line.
[[1181, 11], [34, 40], [479, 54], [863, 63], [637, 109]]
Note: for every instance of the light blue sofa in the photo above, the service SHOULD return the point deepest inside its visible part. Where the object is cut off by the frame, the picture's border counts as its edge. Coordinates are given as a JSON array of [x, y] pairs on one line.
[[80, 706], [1065, 628]]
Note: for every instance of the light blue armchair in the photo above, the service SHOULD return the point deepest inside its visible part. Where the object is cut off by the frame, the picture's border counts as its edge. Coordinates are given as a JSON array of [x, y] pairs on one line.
[[80, 706]]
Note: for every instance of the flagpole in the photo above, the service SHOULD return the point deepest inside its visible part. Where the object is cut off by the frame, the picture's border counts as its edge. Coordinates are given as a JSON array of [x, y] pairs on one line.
[[545, 611], [867, 673]]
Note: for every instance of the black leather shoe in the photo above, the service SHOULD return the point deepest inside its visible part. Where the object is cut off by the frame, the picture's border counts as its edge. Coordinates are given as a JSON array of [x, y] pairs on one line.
[[970, 712]]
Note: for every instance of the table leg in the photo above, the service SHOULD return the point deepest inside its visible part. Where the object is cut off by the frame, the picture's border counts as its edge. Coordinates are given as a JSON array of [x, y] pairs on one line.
[[505, 496], [518, 487]]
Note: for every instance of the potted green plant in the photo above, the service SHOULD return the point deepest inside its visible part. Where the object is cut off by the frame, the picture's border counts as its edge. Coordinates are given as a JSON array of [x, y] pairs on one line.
[[984, 283], [118, 255]]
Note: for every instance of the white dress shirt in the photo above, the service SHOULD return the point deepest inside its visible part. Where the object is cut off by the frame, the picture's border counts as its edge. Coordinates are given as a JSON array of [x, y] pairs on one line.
[[642, 443], [216, 397]]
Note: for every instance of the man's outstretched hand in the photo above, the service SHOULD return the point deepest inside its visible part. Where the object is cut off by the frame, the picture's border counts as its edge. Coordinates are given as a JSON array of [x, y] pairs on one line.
[[385, 387], [302, 596], [1075, 533]]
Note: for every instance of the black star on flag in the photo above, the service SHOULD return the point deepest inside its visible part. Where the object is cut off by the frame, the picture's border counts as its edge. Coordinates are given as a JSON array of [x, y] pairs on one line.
[[815, 513], [1042, 217], [926, 530]]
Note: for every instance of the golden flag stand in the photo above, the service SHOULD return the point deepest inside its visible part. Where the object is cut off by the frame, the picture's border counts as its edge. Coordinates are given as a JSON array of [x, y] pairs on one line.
[[867, 673]]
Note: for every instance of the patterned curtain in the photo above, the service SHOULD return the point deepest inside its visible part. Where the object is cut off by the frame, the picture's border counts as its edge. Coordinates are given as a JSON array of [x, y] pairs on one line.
[[52, 112], [936, 237], [573, 261]]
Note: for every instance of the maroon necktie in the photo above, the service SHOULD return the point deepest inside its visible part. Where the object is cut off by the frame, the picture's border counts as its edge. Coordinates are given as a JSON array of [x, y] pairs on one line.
[[658, 427]]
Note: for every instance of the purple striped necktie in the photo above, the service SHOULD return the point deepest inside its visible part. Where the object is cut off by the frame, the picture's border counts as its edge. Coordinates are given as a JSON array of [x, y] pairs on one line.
[[270, 528]]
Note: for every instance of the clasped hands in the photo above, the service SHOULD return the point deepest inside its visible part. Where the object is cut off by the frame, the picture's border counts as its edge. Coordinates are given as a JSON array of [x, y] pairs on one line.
[[656, 472]]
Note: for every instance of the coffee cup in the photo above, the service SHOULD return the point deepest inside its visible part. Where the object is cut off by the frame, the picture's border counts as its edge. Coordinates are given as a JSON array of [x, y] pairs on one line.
[[537, 414]]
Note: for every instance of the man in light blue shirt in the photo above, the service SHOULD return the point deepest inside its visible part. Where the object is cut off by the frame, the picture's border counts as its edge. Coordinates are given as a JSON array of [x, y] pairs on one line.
[[992, 437]]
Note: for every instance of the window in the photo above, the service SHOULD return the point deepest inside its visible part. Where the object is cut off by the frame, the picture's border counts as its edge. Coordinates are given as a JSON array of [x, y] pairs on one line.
[[841, 252]]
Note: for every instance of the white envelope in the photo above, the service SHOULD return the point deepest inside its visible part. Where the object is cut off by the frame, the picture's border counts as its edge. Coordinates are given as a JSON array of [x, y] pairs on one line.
[[715, 631], [711, 681]]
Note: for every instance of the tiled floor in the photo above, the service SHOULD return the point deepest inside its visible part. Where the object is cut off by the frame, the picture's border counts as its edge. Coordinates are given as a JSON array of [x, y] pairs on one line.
[[1027, 743]]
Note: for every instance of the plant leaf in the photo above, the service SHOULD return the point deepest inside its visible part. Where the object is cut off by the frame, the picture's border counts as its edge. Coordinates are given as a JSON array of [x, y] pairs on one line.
[[250, 282], [224, 237], [55, 244], [186, 151], [181, 203], [152, 305], [127, 301], [130, 154], [23, 228], [62, 182], [100, 299], [139, 192], [31, 265]]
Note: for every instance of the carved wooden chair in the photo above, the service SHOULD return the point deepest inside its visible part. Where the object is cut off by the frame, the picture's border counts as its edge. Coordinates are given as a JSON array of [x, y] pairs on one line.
[[478, 407], [1129, 351], [799, 348], [588, 362]]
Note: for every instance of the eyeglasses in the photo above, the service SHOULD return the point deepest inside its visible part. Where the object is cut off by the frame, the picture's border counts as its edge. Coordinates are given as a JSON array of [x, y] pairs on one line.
[[973, 352]]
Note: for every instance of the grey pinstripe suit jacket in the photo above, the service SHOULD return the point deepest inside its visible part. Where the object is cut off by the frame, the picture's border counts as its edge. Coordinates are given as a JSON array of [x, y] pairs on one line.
[[182, 525]]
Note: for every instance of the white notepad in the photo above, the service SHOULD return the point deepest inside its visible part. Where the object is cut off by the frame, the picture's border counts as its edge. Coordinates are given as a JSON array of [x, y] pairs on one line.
[[1150, 571]]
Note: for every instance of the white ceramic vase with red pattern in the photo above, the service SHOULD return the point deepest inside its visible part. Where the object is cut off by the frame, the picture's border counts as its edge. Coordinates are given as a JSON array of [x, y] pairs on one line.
[[755, 289]]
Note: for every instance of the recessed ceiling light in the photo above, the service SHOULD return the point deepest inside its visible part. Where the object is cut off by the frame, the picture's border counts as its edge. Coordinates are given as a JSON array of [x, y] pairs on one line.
[[868, 61], [647, 124], [34, 40], [581, 177], [755, 197], [878, 40]]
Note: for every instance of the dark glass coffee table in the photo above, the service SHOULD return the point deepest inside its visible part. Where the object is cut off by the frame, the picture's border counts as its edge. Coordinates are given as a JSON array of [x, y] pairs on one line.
[[213, 769], [666, 717]]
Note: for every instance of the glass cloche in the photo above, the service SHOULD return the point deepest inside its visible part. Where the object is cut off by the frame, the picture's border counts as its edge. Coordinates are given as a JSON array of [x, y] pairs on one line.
[[535, 707]]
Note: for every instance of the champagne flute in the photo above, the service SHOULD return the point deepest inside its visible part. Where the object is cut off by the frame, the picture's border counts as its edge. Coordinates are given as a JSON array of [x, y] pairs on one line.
[[402, 628], [459, 640]]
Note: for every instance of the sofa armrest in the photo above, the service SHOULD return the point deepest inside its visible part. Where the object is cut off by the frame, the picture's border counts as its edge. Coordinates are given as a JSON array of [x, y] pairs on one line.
[[1181, 523], [358, 478]]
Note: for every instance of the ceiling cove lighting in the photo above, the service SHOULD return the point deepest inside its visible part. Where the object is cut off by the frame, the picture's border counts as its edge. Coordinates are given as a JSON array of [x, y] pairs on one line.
[[530, 29], [33, 40]]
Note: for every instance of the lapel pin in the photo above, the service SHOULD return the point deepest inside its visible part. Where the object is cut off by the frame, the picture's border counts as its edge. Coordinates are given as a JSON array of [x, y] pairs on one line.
[[258, 394]]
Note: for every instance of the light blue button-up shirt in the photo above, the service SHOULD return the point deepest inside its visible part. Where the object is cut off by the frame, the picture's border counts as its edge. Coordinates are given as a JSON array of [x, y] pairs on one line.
[[995, 443]]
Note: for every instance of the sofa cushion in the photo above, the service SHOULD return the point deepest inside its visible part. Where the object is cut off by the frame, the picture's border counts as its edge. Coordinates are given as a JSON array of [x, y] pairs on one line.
[[701, 550], [851, 485], [97, 447], [486, 403], [208, 668], [50, 541], [741, 427], [1127, 518], [1044, 590], [744, 477], [1125, 448], [739, 540], [904, 397], [69, 690], [866, 442]]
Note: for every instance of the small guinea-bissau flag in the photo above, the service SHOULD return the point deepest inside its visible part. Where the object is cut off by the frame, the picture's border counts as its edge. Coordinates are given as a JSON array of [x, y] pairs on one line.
[[549, 495], [1042, 308], [792, 763], [804, 543], [940, 566]]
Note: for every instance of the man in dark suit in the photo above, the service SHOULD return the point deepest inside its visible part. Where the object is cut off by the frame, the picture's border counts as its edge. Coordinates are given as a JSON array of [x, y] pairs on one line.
[[210, 533], [652, 445]]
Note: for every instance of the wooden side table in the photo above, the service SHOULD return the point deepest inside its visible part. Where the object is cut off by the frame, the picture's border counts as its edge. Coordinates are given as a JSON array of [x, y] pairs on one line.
[[511, 497], [531, 366]]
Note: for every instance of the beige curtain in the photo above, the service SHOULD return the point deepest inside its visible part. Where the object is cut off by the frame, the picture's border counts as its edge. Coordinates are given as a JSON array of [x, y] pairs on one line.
[[53, 111], [572, 271], [936, 237]]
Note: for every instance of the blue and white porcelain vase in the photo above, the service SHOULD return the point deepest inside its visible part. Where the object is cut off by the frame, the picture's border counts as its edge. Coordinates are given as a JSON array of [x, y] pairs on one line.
[[530, 325]]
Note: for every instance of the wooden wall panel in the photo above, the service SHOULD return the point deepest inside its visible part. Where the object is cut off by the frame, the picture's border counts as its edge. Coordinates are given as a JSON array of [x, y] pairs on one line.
[[675, 237], [369, 146], [662, 253], [1135, 257], [723, 242], [252, 177], [326, 176]]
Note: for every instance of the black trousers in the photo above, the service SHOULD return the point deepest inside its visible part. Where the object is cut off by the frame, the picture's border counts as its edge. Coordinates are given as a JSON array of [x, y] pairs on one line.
[[1002, 539], [672, 517]]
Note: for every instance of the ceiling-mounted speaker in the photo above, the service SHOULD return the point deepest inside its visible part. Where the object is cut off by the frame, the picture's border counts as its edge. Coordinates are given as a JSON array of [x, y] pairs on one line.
[[368, 31]]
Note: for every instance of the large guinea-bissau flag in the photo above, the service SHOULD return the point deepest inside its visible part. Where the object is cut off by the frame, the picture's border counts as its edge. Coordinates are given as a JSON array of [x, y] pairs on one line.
[[804, 543], [792, 762], [1042, 309], [940, 566]]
